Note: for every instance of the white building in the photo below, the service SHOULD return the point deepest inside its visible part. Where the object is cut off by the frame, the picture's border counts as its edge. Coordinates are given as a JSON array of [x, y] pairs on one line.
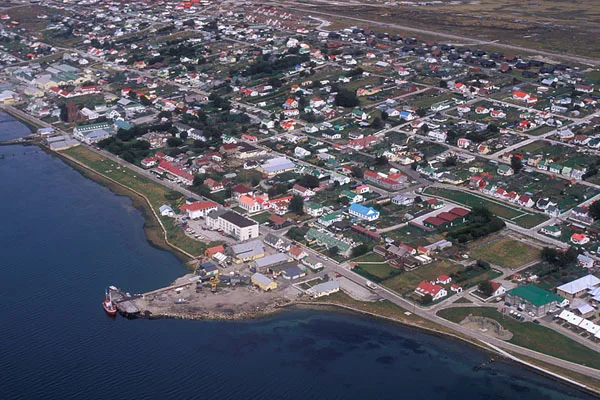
[[233, 224]]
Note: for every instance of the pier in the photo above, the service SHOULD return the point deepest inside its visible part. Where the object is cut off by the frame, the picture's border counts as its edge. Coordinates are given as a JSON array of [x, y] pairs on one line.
[[124, 302]]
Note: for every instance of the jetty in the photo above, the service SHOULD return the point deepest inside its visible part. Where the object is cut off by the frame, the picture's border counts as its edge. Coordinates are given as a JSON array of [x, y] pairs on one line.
[[124, 302]]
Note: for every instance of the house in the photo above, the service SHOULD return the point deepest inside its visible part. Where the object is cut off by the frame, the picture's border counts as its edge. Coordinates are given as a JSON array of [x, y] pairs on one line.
[[329, 219], [314, 210], [579, 238], [443, 279], [585, 261], [505, 170], [329, 241], [455, 288], [578, 287], [438, 136], [390, 181], [277, 221], [199, 209], [301, 152], [352, 196], [524, 97], [530, 298], [324, 289], [363, 212], [166, 211], [402, 200], [551, 230], [525, 201], [177, 173], [263, 282], [211, 251], [463, 143], [302, 191], [213, 185], [297, 252], [239, 190], [497, 289], [293, 272], [427, 288]]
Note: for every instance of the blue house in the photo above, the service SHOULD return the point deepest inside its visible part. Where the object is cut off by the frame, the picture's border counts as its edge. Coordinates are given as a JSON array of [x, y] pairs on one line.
[[362, 212]]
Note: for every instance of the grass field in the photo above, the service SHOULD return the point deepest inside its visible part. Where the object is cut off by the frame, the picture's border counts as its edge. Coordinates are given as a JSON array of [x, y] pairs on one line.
[[530, 335], [506, 252], [156, 194], [507, 212], [407, 281]]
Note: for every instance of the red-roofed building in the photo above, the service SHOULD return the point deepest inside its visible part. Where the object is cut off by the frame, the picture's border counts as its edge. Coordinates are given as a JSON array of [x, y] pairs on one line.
[[456, 288], [434, 223], [199, 209], [443, 279], [211, 251], [213, 185], [427, 288], [180, 175], [239, 190], [461, 212], [149, 162]]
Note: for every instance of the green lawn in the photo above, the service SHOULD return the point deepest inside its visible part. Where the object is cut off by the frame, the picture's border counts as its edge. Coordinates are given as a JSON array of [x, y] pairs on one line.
[[376, 272], [261, 218], [407, 281], [369, 257], [156, 194], [530, 335], [506, 252], [507, 212]]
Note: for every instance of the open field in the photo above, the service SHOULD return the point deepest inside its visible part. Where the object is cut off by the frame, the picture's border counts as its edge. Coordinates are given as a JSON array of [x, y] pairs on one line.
[[407, 281], [559, 27], [506, 252], [530, 335], [510, 213], [156, 194]]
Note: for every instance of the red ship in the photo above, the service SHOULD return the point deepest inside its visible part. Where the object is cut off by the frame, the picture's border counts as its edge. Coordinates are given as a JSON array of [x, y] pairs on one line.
[[108, 305]]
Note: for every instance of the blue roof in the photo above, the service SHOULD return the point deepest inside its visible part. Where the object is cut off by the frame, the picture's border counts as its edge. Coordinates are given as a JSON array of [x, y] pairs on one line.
[[359, 208]]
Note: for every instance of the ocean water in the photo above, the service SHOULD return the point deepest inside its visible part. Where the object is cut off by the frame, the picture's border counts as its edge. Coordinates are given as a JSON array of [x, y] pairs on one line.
[[65, 238]]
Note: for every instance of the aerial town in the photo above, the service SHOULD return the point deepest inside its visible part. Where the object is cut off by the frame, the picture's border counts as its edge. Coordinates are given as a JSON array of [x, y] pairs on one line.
[[287, 160]]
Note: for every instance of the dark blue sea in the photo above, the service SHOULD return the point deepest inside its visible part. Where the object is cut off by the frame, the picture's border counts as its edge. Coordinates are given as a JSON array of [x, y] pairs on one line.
[[64, 238]]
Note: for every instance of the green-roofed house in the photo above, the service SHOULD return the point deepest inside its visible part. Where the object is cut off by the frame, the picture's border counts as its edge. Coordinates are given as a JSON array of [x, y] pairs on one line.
[[330, 218], [329, 240], [530, 298], [352, 197]]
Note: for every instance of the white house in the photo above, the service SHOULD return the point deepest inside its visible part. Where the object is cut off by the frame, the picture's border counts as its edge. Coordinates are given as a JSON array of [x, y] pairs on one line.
[[363, 212]]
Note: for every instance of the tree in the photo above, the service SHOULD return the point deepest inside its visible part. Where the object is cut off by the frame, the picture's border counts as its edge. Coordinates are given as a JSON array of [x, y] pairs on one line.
[[516, 163], [381, 161], [384, 115], [333, 251], [443, 84], [450, 162], [360, 250], [183, 135], [297, 204], [376, 124], [346, 98], [486, 288], [174, 142], [427, 299], [595, 209], [421, 112], [357, 172]]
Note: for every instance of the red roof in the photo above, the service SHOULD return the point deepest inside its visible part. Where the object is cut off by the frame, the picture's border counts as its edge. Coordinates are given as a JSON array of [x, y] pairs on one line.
[[443, 278], [447, 216], [461, 212], [434, 221], [426, 287], [167, 166], [211, 251], [199, 205]]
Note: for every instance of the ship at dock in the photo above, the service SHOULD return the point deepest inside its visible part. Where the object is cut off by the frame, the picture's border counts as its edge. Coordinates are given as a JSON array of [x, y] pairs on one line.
[[109, 306]]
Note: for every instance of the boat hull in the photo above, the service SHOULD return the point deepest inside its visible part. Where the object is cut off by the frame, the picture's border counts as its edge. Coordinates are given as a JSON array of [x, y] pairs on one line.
[[109, 310]]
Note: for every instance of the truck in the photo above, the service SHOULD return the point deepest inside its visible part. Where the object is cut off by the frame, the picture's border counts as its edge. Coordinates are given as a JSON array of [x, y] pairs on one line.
[[371, 285]]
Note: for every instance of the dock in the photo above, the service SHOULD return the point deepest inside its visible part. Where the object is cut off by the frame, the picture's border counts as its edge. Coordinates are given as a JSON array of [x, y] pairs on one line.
[[124, 302]]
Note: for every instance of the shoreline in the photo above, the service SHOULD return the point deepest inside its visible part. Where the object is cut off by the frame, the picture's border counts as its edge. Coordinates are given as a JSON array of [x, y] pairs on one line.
[[342, 308], [156, 236], [154, 231]]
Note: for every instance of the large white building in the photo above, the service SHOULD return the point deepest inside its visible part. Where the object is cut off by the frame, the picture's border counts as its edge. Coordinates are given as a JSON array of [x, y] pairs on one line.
[[233, 224]]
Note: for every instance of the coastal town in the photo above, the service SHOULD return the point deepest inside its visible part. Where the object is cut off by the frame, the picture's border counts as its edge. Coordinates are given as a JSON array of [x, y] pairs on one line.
[[289, 159]]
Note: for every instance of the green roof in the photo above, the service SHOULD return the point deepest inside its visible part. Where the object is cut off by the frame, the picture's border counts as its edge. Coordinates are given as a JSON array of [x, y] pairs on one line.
[[331, 216], [534, 295]]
